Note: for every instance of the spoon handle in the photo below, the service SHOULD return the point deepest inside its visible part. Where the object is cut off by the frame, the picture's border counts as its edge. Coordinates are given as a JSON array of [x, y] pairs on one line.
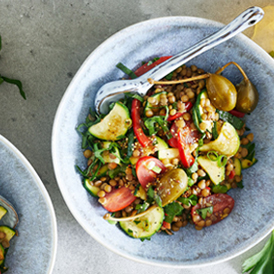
[[245, 20]]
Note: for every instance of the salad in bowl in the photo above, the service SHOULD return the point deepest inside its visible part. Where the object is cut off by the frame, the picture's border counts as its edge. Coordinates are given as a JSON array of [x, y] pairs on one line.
[[159, 162]]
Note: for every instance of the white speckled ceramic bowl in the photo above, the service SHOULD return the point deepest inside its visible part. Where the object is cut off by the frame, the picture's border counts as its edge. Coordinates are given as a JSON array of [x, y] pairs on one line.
[[34, 250], [252, 218]]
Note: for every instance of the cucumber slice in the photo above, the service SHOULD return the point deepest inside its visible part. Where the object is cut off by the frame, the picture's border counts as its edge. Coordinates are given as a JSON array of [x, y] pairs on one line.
[[197, 119], [8, 231], [215, 173], [156, 96], [102, 171], [93, 190], [247, 163], [161, 144], [237, 166], [145, 226], [114, 126], [3, 212], [168, 153], [107, 157], [227, 143]]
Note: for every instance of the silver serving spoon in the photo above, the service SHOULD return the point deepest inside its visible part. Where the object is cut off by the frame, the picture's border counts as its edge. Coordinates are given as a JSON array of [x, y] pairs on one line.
[[115, 90]]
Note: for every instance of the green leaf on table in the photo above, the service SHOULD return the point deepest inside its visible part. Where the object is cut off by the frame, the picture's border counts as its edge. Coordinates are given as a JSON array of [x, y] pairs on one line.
[[15, 82], [262, 262], [171, 210]]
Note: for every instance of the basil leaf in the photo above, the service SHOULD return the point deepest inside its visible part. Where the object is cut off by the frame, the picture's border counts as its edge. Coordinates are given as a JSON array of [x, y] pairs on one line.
[[261, 262], [153, 196], [240, 185], [192, 199], [171, 210], [1, 80], [130, 143], [126, 70], [17, 83], [203, 211]]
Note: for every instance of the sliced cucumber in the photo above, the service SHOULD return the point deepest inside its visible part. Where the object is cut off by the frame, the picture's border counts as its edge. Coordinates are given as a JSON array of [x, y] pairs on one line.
[[8, 231], [227, 143], [156, 96], [107, 157], [215, 173], [168, 153], [216, 129], [3, 212], [237, 166], [102, 171], [247, 163], [145, 226], [161, 144], [114, 126], [93, 190], [199, 111]]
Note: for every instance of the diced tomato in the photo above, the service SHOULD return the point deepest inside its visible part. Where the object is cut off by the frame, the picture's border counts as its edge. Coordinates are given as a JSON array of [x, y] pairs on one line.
[[183, 145], [237, 113], [138, 131], [222, 206], [166, 225], [145, 68], [144, 171], [118, 199], [232, 174]]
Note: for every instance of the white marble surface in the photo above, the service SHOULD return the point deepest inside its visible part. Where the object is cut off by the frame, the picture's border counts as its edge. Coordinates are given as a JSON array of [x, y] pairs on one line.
[[44, 44]]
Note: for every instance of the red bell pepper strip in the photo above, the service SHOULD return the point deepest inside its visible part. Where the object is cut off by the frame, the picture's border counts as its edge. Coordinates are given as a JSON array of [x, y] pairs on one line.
[[166, 225], [138, 131], [186, 158], [145, 68], [188, 107], [237, 113], [232, 174]]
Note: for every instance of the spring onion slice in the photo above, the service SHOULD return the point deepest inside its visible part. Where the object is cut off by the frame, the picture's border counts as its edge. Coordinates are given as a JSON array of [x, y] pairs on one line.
[[222, 160], [212, 155]]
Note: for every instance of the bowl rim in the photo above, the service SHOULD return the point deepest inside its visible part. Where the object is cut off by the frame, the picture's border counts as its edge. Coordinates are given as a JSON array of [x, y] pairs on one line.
[[184, 20], [44, 193]]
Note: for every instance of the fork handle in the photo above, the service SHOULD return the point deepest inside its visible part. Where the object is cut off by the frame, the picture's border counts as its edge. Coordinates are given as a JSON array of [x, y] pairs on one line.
[[248, 18]]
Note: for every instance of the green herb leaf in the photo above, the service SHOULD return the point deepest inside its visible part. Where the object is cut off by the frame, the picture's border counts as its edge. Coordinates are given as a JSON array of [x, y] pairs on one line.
[[190, 181], [150, 124], [203, 211], [192, 199], [219, 189], [153, 196], [169, 76], [262, 262], [15, 82], [233, 120], [142, 207], [240, 185], [126, 70], [1, 80], [171, 210]]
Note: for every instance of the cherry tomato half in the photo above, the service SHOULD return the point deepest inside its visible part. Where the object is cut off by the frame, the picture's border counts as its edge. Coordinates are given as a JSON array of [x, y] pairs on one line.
[[222, 206], [144, 171], [118, 199]]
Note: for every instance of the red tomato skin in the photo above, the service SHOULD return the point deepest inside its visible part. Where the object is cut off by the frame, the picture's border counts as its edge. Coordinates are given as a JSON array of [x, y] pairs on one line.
[[188, 107], [173, 141], [166, 225], [184, 139], [145, 68], [118, 199], [219, 202], [144, 175], [138, 131], [237, 113], [232, 174]]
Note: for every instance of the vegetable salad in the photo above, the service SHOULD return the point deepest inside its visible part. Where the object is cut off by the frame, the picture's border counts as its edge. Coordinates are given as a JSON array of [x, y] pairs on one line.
[[159, 162]]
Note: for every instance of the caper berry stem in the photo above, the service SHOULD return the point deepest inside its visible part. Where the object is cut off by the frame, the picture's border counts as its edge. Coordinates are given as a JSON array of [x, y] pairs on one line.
[[198, 77], [235, 64]]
